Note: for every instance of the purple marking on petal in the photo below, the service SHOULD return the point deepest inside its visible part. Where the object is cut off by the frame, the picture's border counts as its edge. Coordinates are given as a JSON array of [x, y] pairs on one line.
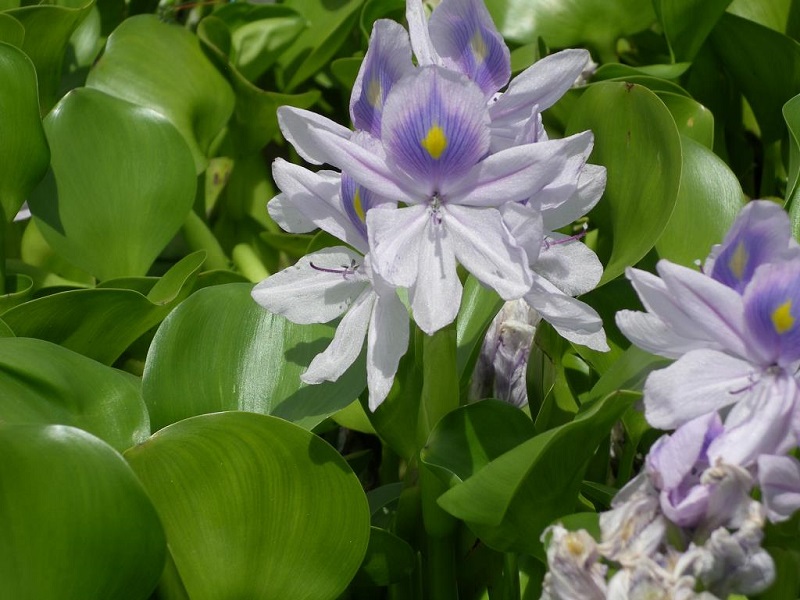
[[772, 311], [357, 200], [466, 38], [435, 126], [388, 59], [760, 235]]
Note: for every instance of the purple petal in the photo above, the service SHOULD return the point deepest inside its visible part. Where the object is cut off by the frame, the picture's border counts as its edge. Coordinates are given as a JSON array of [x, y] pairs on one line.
[[760, 235], [772, 311], [435, 127], [387, 342], [779, 479], [483, 245], [388, 59], [468, 41], [317, 289], [296, 123], [519, 172], [312, 200], [699, 382]]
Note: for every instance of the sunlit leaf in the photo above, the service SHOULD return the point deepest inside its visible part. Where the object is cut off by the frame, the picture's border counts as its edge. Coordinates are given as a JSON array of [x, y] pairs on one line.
[[254, 507], [105, 148], [687, 23], [77, 523]]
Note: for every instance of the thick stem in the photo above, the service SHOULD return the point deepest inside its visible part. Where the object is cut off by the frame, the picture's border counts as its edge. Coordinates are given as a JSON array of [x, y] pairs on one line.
[[199, 237], [3, 227]]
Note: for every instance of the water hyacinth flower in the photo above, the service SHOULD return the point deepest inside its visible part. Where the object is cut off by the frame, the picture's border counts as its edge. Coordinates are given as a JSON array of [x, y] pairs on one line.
[[735, 332], [326, 284]]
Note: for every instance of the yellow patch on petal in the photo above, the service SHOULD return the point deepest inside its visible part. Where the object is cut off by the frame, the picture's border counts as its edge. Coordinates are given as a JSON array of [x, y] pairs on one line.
[[782, 319], [738, 260], [435, 141], [575, 545], [478, 46], [358, 207], [374, 93]]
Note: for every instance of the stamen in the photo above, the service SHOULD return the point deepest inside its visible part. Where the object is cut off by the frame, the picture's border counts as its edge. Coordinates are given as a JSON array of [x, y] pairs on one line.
[[548, 243], [436, 204], [344, 271]]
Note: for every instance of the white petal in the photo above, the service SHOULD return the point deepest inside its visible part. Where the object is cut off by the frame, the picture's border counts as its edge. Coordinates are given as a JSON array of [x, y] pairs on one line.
[[296, 123], [591, 185], [436, 294], [395, 235], [711, 306], [779, 480], [576, 321], [312, 198], [569, 265], [483, 245], [698, 382], [387, 342], [517, 173], [543, 83], [564, 186], [304, 294], [346, 345], [651, 334], [420, 36], [525, 226]]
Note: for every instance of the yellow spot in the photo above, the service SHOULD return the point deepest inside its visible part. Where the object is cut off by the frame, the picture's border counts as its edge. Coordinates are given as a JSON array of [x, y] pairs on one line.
[[478, 46], [782, 319], [738, 261], [374, 93], [574, 545], [435, 141], [359, 208]]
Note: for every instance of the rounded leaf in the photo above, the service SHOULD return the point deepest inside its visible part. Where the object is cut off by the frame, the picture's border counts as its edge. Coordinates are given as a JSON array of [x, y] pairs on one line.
[[76, 523], [254, 507], [125, 184]]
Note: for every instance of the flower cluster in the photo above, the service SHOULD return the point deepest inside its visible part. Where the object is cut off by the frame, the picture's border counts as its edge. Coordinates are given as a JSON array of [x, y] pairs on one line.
[[448, 164]]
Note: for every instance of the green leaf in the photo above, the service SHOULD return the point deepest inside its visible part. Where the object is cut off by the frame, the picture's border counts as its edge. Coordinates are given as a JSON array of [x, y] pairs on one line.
[[389, 559], [765, 64], [24, 154], [264, 355], [769, 13], [470, 437], [47, 384], [510, 501], [687, 23], [708, 201], [637, 141], [255, 122], [105, 148], [101, 323], [19, 288], [162, 67], [479, 305], [791, 113], [48, 29], [254, 507], [11, 31], [76, 522], [693, 119], [329, 24], [571, 22]]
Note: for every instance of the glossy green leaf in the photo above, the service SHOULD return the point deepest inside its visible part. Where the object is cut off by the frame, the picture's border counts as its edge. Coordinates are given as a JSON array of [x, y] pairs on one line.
[[389, 559], [47, 384], [19, 289], [791, 114], [565, 23], [329, 25], [101, 323], [693, 119], [381, 9], [709, 199], [765, 64], [618, 70], [637, 141], [47, 32], [687, 23], [76, 522], [162, 67], [769, 13], [254, 507], [24, 155], [345, 71], [264, 356], [254, 122], [479, 305], [510, 501], [470, 437], [105, 148], [5, 330], [11, 31], [259, 33]]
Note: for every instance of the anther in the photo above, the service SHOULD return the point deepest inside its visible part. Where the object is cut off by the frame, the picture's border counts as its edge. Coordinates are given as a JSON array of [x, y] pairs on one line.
[[548, 243], [344, 271]]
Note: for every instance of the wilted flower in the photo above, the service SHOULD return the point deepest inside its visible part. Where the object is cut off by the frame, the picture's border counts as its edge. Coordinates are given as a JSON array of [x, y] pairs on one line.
[[575, 567]]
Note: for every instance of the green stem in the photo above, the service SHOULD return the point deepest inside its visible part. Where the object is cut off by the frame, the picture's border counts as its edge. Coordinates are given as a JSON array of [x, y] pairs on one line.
[[510, 584], [248, 263], [3, 226], [440, 568], [440, 380], [199, 237]]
